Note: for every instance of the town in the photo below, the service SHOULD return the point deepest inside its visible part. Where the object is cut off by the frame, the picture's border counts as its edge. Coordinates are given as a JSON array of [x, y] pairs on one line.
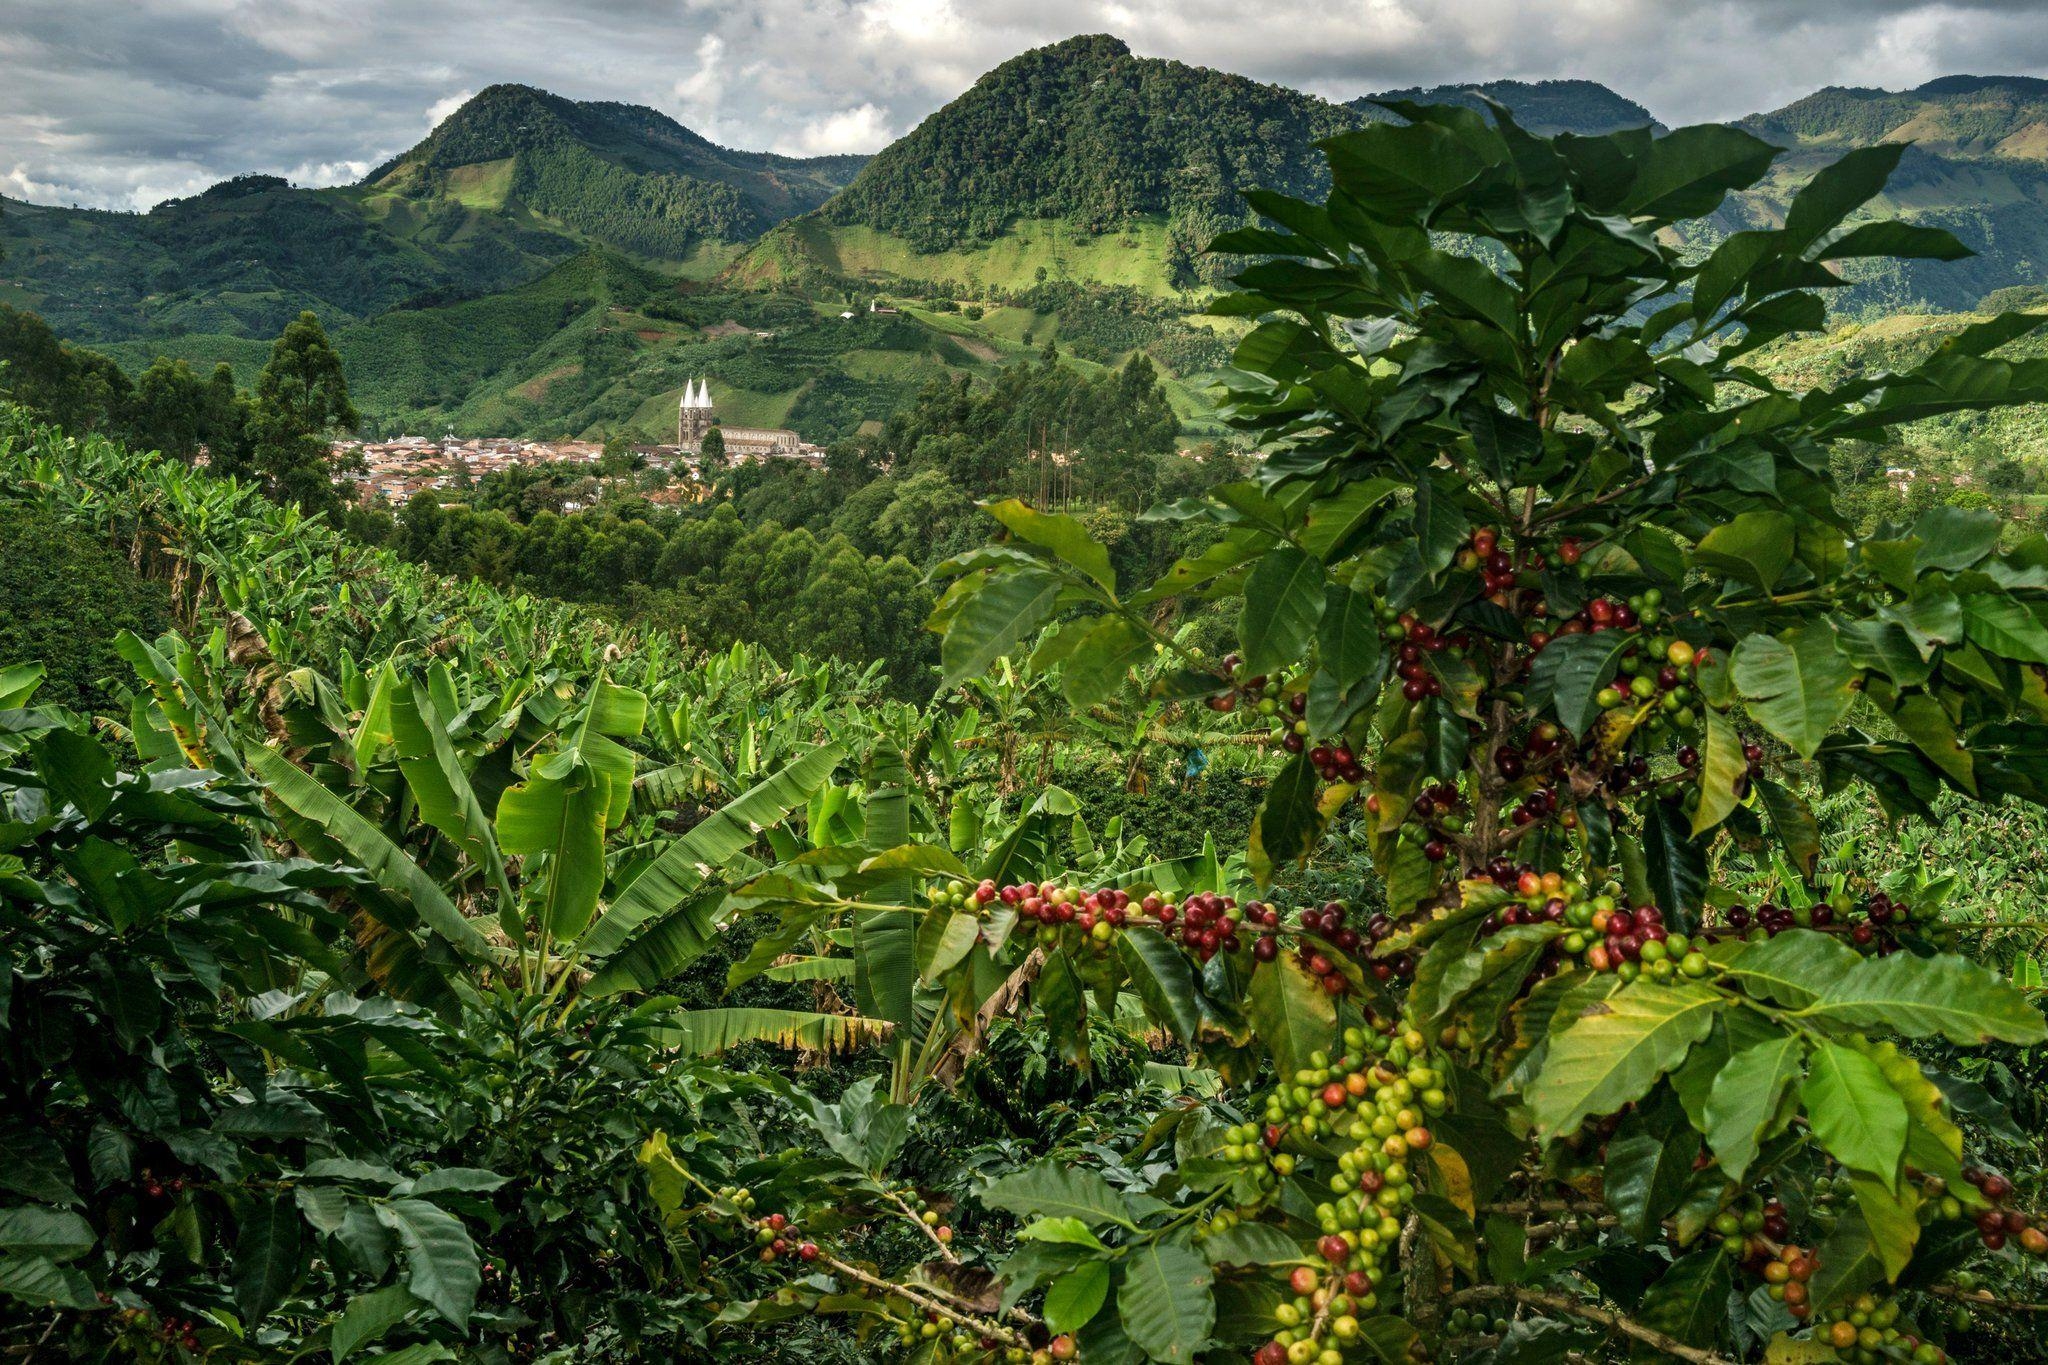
[[395, 470]]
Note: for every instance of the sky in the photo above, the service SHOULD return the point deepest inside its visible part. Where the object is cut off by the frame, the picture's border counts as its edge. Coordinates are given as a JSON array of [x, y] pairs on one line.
[[124, 103]]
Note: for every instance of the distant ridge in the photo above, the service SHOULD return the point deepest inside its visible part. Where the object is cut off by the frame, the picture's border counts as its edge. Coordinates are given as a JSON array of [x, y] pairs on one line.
[[1545, 107], [1959, 116], [621, 174]]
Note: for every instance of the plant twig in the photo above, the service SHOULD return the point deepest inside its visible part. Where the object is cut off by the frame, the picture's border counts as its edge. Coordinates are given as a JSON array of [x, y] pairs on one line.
[[1614, 1322], [987, 1327]]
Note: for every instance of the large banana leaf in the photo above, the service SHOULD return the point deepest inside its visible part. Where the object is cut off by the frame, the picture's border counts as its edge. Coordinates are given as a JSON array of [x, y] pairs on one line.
[[701, 1033], [203, 742], [707, 850], [386, 863], [672, 943], [569, 799], [884, 941], [440, 787], [559, 813]]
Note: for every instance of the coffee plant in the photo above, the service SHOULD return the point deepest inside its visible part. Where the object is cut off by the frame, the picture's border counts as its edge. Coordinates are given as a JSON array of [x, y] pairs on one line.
[[1541, 585]]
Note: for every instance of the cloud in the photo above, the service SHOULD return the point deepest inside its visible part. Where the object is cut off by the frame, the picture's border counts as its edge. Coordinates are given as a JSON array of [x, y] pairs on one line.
[[119, 102], [865, 128]]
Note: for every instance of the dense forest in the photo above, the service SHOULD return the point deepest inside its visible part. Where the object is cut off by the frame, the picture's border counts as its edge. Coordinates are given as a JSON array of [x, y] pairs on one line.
[[1086, 132], [614, 174]]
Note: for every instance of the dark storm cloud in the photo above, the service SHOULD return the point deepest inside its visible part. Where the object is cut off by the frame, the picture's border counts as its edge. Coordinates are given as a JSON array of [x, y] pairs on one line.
[[125, 102]]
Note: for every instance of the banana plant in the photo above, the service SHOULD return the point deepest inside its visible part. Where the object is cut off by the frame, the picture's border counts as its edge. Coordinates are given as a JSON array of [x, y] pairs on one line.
[[484, 819]]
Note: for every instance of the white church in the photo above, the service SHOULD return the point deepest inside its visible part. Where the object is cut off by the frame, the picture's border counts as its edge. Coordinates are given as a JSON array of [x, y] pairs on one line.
[[696, 415]]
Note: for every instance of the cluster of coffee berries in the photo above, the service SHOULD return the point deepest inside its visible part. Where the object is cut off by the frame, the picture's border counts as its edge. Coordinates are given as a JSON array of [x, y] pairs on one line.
[[1283, 708], [1097, 914], [777, 1237], [947, 1340], [1375, 1101], [1757, 1236], [158, 1186], [1267, 700], [1661, 677], [1865, 1331], [1636, 942], [1417, 641], [1998, 1225], [179, 1332], [1205, 923], [1436, 817], [1497, 567], [1786, 1276], [1466, 1322], [1321, 1318], [959, 894], [1330, 932], [1336, 763], [1872, 928], [1750, 1233], [1875, 928], [1547, 744]]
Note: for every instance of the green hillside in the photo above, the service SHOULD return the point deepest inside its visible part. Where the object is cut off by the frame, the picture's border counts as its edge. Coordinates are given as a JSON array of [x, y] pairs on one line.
[[510, 185], [602, 346], [1956, 116], [1084, 131], [613, 174], [1543, 107]]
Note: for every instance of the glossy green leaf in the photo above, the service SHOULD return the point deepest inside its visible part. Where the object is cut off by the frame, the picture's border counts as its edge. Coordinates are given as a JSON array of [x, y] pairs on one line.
[[1165, 1301], [441, 1262], [709, 848], [1003, 612], [1290, 1011], [1076, 1297], [1065, 536], [1746, 1100], [267, 1256], [1856, 1115], [1283, 601], [1798, 687], [1613, 1054]]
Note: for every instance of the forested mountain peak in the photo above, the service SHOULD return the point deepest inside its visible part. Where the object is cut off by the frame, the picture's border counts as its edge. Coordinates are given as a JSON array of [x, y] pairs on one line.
[[623, 174], [1956, 116], [1544, 107], [1084, 130], [507, 119]]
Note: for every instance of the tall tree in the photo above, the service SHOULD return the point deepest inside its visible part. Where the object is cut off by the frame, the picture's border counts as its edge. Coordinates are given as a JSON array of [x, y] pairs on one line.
[[170, 409], [301, 400], [711, 458]]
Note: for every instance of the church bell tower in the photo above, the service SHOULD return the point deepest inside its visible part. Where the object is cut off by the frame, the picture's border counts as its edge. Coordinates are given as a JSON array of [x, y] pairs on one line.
[[694, 414]]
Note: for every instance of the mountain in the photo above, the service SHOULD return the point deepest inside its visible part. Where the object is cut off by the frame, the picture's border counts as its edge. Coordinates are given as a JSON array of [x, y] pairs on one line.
[[1544, 107], [1054, 150], [1958, 117], [510, 185], [1977, 167], [548, 266], [618, 175], [1084, 131]]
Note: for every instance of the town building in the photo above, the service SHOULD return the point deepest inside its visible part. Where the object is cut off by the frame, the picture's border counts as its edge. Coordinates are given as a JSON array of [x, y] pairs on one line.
[[696, 415]]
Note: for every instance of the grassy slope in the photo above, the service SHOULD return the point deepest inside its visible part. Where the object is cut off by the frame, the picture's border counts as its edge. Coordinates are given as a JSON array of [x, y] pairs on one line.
[[1010, 263], [1896, 342]]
